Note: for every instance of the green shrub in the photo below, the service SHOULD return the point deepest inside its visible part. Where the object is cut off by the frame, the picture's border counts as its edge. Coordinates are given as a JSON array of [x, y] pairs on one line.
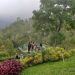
[[73, 51], [66, 54], [3, 55], [45, 55]]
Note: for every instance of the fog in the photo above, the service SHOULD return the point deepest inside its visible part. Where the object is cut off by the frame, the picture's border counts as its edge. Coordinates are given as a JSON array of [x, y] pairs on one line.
[[11, 9]]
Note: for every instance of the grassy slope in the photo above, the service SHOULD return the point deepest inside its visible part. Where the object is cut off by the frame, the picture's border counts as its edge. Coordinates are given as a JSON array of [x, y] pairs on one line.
[[53, 68]]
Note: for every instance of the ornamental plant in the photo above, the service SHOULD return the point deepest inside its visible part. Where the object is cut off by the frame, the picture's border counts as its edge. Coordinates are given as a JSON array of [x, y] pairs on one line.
[[38, 58], [45, 55], [27, 61], [48, 54], [10, 67], [58, 53]]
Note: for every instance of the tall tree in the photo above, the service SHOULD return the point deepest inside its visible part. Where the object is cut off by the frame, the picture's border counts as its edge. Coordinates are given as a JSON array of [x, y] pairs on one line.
[[53, 15]]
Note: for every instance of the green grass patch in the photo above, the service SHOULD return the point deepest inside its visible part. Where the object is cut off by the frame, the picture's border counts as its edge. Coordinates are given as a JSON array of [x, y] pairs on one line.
[[53, 68]]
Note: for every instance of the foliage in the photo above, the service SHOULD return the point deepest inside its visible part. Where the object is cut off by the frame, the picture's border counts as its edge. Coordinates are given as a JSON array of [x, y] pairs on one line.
[[32, 59], [37, 58], [3, 55], [10, 67], [57, 39], [45, 55], [22, 31], [19, 31], [49, 54], [53, 16], [58, 53], [27, 61]]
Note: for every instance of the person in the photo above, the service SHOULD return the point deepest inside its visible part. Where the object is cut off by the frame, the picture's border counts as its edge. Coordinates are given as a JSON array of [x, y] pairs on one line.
[[33, 44], [37, 47], [29, 47], [17, 56], [40, 45]]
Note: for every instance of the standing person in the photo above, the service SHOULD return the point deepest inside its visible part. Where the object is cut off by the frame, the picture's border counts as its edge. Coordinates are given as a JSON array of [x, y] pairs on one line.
[[29, 47], [17, 56], [40, 45], [33, 44]]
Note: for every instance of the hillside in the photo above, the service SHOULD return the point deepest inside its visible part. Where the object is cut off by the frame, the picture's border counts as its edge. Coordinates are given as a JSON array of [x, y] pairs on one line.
[[18, 30], [22, 31]]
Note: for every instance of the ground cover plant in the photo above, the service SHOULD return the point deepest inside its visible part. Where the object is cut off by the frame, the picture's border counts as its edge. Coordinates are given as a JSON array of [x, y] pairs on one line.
[[10, 67]]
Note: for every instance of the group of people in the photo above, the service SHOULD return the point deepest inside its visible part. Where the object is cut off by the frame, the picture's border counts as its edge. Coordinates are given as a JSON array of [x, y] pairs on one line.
[[32, 46]]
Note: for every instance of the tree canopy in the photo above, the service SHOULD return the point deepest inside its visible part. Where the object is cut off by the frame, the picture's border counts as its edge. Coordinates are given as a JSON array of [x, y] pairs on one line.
[[53, 15]]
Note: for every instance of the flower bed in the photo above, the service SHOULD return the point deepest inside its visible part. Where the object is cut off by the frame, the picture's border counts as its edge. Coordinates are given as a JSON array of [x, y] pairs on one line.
[[50, 54], [10, 67]]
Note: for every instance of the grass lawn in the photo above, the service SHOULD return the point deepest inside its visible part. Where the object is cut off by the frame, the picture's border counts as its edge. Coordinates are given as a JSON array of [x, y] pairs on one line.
[[53, 68]]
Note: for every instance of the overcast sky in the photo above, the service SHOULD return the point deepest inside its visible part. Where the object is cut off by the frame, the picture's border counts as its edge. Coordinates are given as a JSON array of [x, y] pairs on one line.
[[11, 9]]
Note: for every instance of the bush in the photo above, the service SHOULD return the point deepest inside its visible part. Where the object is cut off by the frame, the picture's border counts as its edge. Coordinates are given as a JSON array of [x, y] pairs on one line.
[[27, 61], [66, 54], [38, 58], [58, 53], [10, 67], [49, 54], [3, 55], [45, 55], [73, 51]]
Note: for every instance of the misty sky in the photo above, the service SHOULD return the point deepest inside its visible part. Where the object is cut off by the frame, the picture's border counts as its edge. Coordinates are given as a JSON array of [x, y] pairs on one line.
[[11, 9]]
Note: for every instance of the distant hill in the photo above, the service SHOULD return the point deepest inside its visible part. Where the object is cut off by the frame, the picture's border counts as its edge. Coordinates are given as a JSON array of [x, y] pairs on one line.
[[19, 30]]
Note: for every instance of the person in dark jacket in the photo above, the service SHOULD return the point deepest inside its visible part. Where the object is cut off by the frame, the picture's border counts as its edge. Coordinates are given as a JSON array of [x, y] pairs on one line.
[[17, 56], [40, 46], [33, 44], [29, 47]]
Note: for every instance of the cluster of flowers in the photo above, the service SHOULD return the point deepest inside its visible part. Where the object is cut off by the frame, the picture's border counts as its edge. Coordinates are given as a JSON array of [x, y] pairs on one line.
[[10, 67], [32, 59], [55, 54]]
